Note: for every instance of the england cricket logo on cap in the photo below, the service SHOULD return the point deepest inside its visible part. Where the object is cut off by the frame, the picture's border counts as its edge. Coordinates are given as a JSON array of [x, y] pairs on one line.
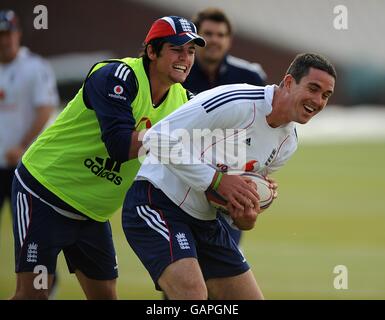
[[186, 27], [176, 30], [118, 89]]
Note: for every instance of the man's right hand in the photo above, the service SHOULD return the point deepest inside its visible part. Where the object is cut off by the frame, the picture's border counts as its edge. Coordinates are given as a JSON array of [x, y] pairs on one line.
[[239, 191]]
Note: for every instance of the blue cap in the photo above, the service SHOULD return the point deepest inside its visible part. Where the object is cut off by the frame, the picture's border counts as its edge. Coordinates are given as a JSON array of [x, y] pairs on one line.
[[176, 30], [9, 20]]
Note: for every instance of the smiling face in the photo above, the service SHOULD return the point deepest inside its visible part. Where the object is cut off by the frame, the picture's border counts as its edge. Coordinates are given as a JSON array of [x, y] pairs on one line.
[[174, 62], [218, 41], [310, 95]]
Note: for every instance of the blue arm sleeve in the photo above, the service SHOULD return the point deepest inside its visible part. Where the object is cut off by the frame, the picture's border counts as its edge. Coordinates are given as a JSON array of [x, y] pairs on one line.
[[110, 91]]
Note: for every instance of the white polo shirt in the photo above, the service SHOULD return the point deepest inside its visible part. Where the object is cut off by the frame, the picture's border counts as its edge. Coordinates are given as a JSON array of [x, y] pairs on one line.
[[240, 106], [26, 82]]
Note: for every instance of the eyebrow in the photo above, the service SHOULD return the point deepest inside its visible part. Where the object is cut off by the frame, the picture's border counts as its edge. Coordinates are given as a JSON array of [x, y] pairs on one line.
[[214, 32], [191, 46], [319, 87]]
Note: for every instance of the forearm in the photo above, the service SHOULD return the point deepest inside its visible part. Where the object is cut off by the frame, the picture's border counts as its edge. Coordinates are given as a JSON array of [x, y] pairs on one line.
[[136, 144]]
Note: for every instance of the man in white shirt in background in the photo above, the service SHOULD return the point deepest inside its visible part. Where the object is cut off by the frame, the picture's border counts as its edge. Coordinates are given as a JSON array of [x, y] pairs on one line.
[[28, 97], [167, 218]]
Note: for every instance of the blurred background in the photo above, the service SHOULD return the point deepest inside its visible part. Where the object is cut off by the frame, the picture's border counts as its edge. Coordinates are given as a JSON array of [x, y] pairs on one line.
[[331, 207]]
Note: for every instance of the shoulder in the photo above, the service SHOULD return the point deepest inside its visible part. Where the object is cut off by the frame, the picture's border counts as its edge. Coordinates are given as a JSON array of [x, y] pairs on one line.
[[114, 69], [115, 72], [114, 78], [33, 63], [244, 97], [246, 66], [230, 92]]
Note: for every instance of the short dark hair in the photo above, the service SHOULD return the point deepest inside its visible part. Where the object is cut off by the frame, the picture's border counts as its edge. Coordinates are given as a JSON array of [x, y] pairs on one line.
[[213, 14], [304, 61], [157, 45]]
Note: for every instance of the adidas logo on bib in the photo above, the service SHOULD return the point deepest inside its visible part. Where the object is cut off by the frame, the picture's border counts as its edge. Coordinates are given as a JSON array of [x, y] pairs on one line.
[[105, 168]]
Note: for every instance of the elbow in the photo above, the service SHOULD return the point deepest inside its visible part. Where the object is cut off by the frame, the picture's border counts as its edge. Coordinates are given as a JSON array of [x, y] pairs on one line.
[[118, 150], [118, 144], [117, 156], [136, 147]]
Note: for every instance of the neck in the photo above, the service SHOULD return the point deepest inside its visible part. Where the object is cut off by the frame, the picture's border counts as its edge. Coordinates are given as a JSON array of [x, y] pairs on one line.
[[278, 115], [209, 67], [159, 85], [8, 59]]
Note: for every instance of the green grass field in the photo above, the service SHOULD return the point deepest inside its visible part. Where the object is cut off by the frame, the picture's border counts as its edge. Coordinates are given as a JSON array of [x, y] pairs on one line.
[[330, 211]]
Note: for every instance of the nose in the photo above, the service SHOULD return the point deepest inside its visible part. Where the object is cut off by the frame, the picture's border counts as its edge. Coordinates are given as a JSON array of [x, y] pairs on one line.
[[184, 55], [318, 100], [214, 39]]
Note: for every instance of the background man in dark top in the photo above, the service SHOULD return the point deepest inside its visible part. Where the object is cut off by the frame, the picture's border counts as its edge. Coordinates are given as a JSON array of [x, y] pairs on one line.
[[214, 66]]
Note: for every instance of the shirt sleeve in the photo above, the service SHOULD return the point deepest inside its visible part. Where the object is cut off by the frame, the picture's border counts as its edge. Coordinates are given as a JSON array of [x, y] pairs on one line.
[[44, 85], [170, 141], [110, 91]]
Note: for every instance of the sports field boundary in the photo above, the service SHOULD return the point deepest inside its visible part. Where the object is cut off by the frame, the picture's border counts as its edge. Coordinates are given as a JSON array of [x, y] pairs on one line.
[[344, 125]]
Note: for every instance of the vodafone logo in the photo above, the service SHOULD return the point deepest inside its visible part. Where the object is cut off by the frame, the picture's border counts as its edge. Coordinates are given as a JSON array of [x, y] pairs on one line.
[[118, 89]]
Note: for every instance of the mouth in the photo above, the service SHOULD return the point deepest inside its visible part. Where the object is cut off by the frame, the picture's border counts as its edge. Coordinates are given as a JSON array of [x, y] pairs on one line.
[[309, 109], [213, 46], [180, 68]]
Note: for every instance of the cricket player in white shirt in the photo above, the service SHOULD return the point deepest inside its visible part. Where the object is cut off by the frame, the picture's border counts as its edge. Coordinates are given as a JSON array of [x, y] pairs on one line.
[[28, 96], [167, 218]]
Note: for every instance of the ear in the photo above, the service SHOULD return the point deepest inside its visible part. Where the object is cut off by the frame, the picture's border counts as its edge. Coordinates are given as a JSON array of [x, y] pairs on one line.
[[288, 81], [150, 52]]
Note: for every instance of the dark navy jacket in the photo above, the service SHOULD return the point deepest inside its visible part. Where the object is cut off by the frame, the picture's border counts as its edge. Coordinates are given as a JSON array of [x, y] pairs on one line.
[[232, 70]]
